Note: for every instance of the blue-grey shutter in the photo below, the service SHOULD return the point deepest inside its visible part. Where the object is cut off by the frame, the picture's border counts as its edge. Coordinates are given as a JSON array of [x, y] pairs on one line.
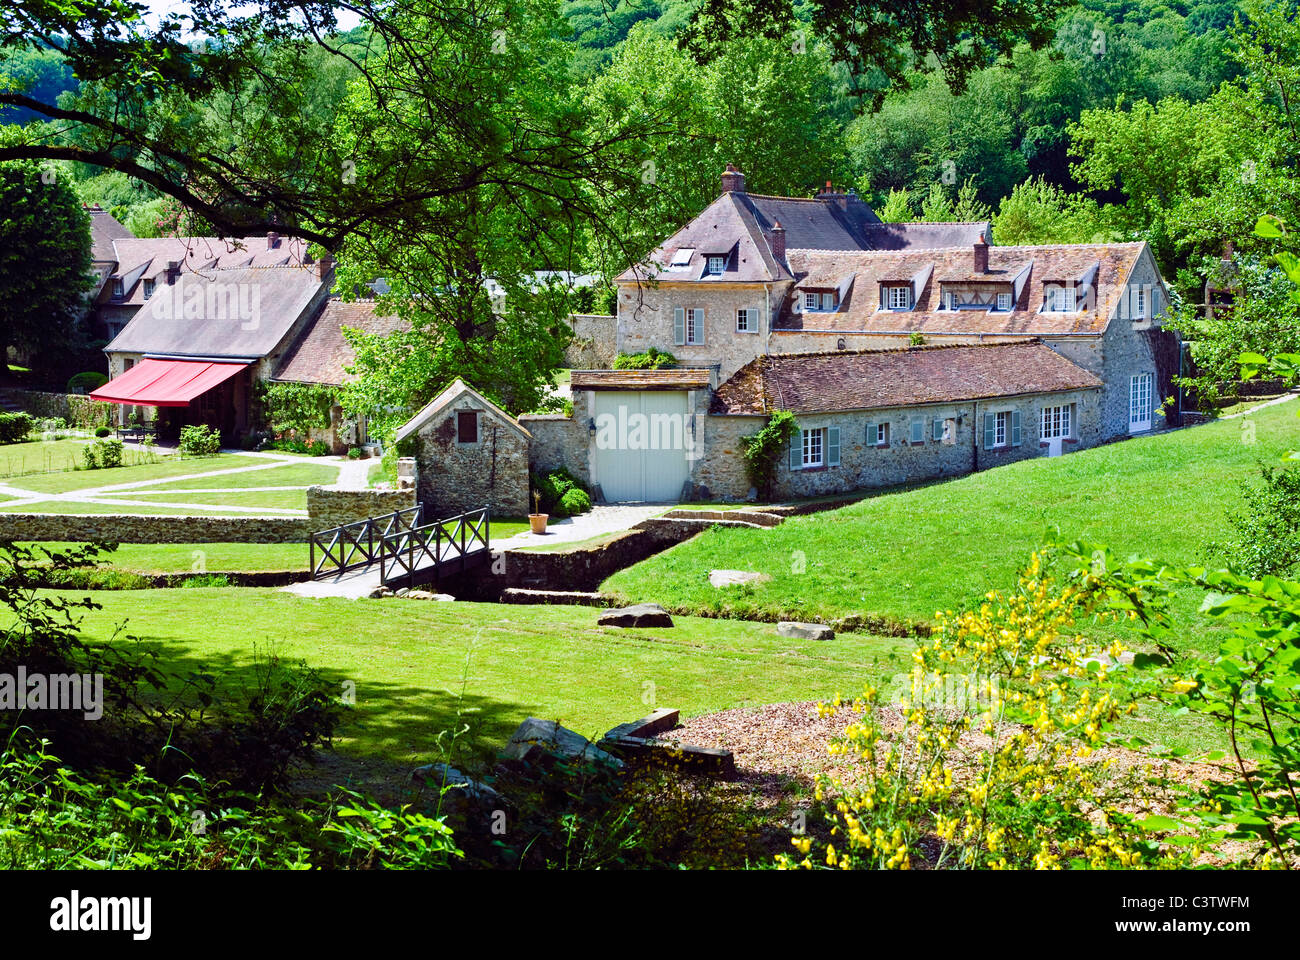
[[870, 435], [918, 431], [832, 446], [1015, 428], [796, 451], [990, 431], [679, 326], [937, 430]]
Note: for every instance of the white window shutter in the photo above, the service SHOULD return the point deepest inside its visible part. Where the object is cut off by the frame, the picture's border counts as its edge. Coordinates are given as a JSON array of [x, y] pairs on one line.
[[990, 431], [697, 318], [832, 446], [1015, 428], [828, 301], [679, 326]]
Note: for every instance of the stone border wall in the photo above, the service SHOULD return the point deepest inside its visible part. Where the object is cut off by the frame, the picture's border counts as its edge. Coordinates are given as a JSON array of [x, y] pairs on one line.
[[333, 506], [75, 408], [140, 528]]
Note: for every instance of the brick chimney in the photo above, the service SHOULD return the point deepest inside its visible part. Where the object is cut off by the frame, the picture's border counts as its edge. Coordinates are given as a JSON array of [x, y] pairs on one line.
[[733, 181], [777, 243], [324, 265], [173, 272], [272, 240], [981, 255]]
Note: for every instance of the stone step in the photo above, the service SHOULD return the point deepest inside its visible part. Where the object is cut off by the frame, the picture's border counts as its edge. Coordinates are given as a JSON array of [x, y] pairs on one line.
[[696, 523], [758, 518], [572, 597]]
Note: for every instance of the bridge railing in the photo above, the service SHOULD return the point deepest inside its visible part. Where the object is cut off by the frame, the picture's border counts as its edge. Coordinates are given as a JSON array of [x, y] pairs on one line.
[[434, 546], [352, 546]]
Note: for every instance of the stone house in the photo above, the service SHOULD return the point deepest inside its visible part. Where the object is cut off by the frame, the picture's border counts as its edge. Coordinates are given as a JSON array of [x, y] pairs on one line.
[[906, 351], [470, 454]]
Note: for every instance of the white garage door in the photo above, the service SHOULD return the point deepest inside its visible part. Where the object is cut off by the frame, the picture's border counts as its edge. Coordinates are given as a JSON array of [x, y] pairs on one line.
[[641, 444]]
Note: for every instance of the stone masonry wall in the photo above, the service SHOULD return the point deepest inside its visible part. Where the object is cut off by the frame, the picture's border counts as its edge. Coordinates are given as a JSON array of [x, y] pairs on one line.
[[457, 477], [131, 528], [645, 319], [333, 507], [593, 344], [559, 441], [721, 475]]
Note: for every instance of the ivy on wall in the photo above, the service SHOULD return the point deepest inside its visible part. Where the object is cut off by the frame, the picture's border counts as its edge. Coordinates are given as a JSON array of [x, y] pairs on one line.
[[296, 407]]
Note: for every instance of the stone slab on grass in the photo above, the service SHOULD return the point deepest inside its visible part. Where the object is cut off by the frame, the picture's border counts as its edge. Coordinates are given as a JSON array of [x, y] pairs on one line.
[[536, 738], [638, 615], [660, 721], [684, 757], [805, 631], [731, 578]]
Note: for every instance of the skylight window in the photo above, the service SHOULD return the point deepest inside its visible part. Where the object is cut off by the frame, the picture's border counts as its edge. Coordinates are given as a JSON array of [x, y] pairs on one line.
[[682, 257]]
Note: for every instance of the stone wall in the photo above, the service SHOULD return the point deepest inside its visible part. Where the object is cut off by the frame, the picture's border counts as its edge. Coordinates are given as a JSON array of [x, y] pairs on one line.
[[75, 408], [129, 528], [593, 344], [559, 441], [334, 506], [721, 475], [457, 477], [645, 320]]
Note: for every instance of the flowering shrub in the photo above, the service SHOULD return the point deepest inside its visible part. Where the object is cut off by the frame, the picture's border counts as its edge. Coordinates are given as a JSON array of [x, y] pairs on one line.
[[988, 762]]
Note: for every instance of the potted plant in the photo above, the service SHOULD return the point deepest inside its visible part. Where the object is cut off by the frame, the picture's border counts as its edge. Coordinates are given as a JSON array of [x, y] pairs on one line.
[[537, 519]]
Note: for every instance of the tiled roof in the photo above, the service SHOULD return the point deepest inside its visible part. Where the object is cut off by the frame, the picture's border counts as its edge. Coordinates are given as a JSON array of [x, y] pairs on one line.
[[456, 389], [928, 236], [1106, 266], [141, 259], [104, 229], [321, 354], [221, 313], [678, 379], [866, 380]]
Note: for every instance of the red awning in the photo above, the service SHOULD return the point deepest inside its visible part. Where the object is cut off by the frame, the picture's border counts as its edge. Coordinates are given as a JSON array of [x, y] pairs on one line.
[[166, 383]]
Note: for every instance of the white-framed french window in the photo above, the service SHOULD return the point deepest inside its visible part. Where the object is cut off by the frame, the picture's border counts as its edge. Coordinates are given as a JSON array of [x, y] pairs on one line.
[[688, 326], [716, 265], [1139, 303], [1004, 301], [1140, 391], [747, 320], [949, 300], [898, 298], [811, 301], [815, 447], [877, 434], [1057, 421]]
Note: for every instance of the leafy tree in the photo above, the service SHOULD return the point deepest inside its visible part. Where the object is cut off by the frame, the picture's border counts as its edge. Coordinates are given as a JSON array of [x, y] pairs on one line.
[[44, 261], [897, 207], [1268, 525], [1037, 212]]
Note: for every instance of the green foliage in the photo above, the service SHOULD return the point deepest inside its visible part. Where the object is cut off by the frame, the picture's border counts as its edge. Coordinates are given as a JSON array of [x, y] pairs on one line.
[[763, 450], [103, 431], [652, 359], [296, 408], [574, 501], [44, 261], [86, 382], [554, 488], [375, 837], [15, 426], [1268, 528], [1037, 212], [108, 452], [199, 440]]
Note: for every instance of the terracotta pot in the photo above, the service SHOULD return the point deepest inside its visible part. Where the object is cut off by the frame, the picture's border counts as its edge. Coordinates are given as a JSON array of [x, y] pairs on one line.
[[537, 522]]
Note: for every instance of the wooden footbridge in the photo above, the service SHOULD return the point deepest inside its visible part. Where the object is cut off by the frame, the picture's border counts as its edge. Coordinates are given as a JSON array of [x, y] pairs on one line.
[[405, 551]]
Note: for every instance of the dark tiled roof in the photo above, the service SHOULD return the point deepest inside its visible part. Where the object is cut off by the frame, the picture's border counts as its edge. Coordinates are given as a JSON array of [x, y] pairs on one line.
[[321, 354], [866, 380], [683, 379], [141, 259], [927, 236], [832, 224], [104, 229], [221, 313], [860, 311]]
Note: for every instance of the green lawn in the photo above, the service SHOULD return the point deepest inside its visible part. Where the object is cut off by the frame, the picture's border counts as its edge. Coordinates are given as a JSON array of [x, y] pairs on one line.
[[411, 660], [902, 555], [154, 558], [17, 459], [270, 499], [290, 475], [114, 509], [168, 467]]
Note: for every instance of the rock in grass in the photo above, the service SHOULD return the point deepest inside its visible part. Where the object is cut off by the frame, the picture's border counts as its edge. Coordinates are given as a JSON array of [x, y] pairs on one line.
[[438, 775], [730, 578], [805, 631], [638, 615], [546, 737]]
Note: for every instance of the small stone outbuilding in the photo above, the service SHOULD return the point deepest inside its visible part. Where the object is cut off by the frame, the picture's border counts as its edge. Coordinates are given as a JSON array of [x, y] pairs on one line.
[[470, 453]]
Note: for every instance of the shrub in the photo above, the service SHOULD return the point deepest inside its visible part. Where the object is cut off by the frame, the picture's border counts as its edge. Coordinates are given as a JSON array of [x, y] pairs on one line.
[[86, 382], [574, 502], [318, 448], [1268, 529], [355, 453], [199, 440], [15, 426], [553, 486], [110, 452], [651, 359], [103, 431], [90, 456]]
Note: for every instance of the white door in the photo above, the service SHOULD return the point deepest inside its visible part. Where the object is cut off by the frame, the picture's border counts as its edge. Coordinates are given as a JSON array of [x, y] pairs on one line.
[[1139, 402], [641, 444]]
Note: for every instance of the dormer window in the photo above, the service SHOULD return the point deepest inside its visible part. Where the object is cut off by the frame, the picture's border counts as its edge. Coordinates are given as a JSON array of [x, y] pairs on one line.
[[1059, 299], [716, 265], [148, 289], [898, 298], [819, 302], [1004, 302], [119, 288], [682, 257]]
